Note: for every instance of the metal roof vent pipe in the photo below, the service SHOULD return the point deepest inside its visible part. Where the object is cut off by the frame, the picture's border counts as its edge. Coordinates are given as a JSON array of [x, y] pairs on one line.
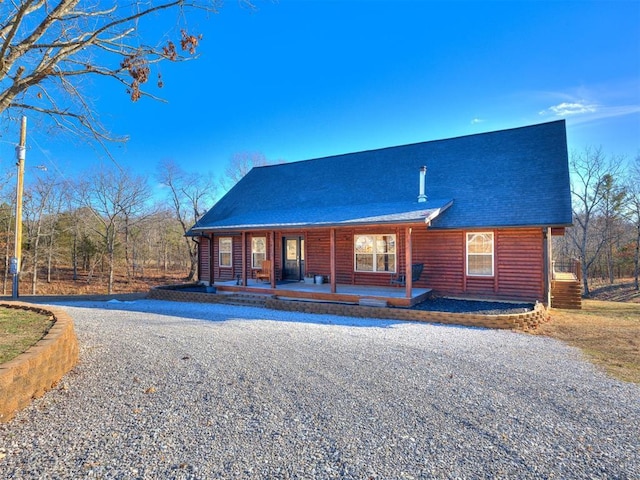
[[423, 175]]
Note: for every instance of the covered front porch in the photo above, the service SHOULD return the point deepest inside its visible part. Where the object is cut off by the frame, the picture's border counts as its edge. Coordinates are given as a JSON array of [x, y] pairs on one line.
[[358, 255], [354, 294]]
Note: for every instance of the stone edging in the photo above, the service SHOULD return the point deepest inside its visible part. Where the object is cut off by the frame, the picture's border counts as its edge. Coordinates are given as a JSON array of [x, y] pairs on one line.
[[175, 293], [32, 373], [515, 321]]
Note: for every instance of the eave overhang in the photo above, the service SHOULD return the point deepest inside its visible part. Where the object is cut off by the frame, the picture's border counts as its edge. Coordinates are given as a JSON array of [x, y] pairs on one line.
[[372, 214]]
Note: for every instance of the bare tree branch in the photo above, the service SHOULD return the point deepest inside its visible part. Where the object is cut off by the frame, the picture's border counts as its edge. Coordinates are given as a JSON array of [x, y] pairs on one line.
[[592, 172], [239, 165], [190, 195], [46, 48]]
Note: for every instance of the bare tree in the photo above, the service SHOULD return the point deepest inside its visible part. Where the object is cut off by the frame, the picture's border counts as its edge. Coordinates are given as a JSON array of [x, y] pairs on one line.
[[85, 243], [161, 242], [611, 209], [7, 221], [590, 169], [191, 195], [633, 214], [116, 198], [239, 165], [47, 48], [60, 198], [68, 226], [36, 206]]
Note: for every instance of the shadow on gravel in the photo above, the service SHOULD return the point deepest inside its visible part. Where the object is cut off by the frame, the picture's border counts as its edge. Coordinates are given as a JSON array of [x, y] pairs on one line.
[[222, 313]]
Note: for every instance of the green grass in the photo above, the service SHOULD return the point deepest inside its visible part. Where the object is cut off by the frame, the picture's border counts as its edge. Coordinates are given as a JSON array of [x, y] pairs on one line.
[[19, 329]]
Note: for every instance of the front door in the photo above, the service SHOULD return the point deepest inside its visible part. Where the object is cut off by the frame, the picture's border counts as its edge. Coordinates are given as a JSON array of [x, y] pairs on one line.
[[293, 258]]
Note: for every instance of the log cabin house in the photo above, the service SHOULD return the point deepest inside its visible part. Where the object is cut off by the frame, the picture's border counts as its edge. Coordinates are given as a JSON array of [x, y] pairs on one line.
[[474, 213]]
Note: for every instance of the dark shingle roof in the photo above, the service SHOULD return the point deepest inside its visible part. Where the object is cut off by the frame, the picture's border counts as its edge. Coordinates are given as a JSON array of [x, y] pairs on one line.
[[516, 177]]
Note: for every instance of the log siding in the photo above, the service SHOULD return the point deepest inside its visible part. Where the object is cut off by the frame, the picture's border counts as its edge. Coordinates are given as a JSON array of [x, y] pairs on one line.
[[520, 264], [204, 260], [518, 259]]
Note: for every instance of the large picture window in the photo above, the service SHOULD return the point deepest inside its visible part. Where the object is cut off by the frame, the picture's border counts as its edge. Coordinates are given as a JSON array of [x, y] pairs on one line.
[[224, 252], [258, 251], [480, 254], [375, 253]]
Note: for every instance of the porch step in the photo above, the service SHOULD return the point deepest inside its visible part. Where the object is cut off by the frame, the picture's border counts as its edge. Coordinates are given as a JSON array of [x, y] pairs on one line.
[[373, 302], [566, 294], [245, 299]]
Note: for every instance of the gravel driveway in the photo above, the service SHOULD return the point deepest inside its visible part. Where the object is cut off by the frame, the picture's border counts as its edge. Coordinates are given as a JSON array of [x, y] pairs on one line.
[[177, 390]]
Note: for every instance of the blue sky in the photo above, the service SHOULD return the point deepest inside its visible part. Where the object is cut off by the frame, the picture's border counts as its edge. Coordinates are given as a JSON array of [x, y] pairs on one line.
[[303, 79]]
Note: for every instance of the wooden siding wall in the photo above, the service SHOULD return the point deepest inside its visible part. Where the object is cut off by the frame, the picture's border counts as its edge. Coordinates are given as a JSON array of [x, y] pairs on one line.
[[275, 248], [277, 251], [520, 266], [519, 269], [442, 253], [224, 273], [518, 260], [248, 268], [236, 261], [204, 262], [317, 259], [230, 273]]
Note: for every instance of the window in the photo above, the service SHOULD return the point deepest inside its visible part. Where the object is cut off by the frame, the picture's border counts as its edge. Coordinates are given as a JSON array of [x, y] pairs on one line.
[[480, 254], [224, 253], [258, 251], [375, 253]]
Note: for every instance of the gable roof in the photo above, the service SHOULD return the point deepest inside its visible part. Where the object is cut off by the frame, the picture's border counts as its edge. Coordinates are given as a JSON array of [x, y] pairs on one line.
[[515, 177]]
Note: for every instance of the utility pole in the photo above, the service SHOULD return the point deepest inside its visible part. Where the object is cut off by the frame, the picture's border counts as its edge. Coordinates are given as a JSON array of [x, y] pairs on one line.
[[17, 258]]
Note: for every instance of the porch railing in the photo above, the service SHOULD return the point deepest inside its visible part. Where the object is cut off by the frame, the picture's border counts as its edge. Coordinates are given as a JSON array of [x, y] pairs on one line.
[[567, 269]]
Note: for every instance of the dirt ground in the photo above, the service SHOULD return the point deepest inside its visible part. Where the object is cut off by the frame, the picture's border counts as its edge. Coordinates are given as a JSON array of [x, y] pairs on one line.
[[63, 284], [621, 291]]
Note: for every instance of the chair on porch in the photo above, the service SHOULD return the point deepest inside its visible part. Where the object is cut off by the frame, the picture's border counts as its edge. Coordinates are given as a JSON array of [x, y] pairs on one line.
[[265, 271], [401, 280]]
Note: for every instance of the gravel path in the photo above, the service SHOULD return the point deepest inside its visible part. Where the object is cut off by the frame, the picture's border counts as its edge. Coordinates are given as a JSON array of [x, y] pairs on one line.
[[177, 390]]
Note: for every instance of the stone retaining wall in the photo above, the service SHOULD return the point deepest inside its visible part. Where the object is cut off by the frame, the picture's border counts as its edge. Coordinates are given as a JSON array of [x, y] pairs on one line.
[[37, 370], [176, 293], [518, 321]]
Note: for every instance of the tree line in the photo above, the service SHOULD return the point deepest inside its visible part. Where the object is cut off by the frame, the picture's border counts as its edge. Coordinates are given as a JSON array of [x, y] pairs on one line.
[[605, 236], [109, 222]]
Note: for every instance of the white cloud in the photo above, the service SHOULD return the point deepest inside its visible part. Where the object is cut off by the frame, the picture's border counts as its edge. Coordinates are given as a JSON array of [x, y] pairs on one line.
[[566, 109], [476, 120], [583, 112]]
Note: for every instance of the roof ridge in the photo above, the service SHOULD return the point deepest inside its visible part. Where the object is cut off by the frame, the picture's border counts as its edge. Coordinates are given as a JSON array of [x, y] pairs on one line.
[[438, 140]]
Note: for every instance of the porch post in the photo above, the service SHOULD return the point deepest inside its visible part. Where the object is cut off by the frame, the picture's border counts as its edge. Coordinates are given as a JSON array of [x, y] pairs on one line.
[[212, 265], [272, 251], [408, 258], [547, 256], [244, 259], [332, 249]]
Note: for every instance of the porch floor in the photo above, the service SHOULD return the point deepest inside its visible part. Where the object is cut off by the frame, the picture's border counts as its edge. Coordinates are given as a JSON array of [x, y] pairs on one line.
[[564, 277], [394, 296]]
